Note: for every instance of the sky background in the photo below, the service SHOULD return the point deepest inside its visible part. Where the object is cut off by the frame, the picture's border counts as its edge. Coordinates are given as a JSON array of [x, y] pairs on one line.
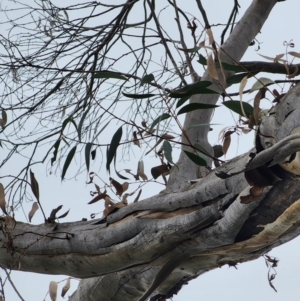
[[250, 280]]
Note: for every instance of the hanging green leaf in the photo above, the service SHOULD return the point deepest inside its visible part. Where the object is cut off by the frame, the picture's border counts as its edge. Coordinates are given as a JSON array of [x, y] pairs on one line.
[[167, 147], [236, 79], [198, 125], [260, 83], [196, 159], [68, 161], [118, 174], [81, 123], [56, 146], [235, 106], [115, 141], [230, 67], [202, 60], [181, 101], [66, 121], [195, 88], [87, 153], [139, 96], [159, 119], [195, 106], [147, 79], [191, 50], [201, 149], [109, 74]]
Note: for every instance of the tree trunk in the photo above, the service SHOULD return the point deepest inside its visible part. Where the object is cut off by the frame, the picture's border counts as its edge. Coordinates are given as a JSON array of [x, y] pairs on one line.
[[150, 249]]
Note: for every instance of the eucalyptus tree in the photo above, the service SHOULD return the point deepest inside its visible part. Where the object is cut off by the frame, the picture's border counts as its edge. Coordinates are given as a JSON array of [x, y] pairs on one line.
[[65, 72]]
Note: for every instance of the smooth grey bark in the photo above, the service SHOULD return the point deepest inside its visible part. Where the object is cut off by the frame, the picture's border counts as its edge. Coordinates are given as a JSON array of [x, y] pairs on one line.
[[151, 248]]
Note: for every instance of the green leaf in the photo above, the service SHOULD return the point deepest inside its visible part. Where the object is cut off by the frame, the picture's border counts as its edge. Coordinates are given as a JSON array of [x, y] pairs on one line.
[[118, 174], [202, 60], [261, 82], [167, 147], [195, 106], [159, 119], [196, 159], [201, 149], [109, 74], [181, 101], [147, 79], [66, 121], [231, 67], [138, 96], [202, 124], [235, 79], [56, 146], [87, 153], [115, 141], [195, 88], [68, 161], [81, 123], [235, 106], [191, 50]]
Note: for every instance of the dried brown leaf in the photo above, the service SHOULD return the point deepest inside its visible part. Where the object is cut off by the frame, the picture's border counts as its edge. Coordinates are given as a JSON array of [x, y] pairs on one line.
[[66, 287], [125, 186], [210, 36], [135, 139], [138, 196], [35, 207], [3, 120], [108, 202], [293, 53], [98, 198], [211, 67], [294, 73], [159, 170], [119, 205], [98, 189], [34, 186], [149, 132], [124, 199], [52, 217], [53, 290], [226, 143], [256, 110], [278, 57], [142, 175], [167, 136], [144, 124], [64, 215], [2, 199], [286, 68], [140, 167], [117, 185]]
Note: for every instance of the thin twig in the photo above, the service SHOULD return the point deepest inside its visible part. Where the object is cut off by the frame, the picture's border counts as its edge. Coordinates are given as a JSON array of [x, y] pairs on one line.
[[12, 284]]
